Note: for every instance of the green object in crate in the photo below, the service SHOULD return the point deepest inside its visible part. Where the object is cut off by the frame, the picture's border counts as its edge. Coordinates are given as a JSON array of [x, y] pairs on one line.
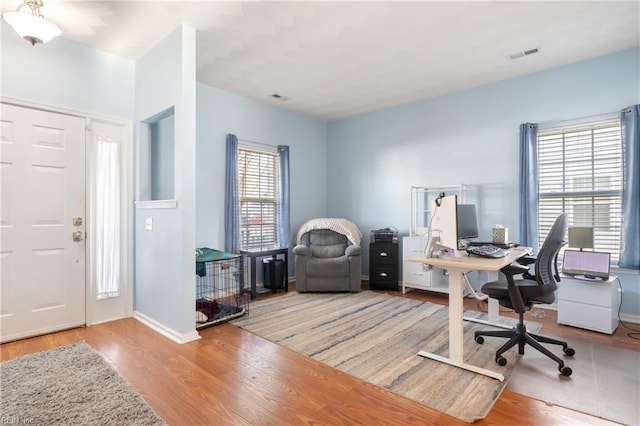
[[206, 254]]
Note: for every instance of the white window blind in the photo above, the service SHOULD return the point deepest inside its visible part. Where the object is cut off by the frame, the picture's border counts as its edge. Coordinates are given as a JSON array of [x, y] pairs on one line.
[[580, 173], [258, 182], [107, 218]]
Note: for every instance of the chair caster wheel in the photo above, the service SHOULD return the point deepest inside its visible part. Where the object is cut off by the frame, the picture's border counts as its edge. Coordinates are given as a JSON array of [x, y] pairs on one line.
[[569, 352], [502, 361], [479, 339], [565, 371]]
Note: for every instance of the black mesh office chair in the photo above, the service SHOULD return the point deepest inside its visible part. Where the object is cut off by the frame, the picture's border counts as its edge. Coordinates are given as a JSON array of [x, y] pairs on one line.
[[520, 295]]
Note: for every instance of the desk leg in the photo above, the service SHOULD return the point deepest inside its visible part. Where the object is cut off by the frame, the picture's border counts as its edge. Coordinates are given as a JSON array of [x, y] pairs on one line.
[[286, 271], [456, 330], [494, 307], [254, 267], [456, 311]]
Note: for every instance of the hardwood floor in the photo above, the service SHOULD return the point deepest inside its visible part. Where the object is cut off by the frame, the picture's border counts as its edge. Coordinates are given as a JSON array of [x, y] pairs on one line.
[[233, 377]]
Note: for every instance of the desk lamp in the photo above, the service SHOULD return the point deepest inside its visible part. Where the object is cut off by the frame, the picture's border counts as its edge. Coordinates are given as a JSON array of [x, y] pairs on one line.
[[581, 237]]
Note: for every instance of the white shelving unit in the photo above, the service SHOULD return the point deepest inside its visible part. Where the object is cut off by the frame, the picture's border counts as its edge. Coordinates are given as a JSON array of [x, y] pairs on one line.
[[592, 305], [421, 201], [415, 275]]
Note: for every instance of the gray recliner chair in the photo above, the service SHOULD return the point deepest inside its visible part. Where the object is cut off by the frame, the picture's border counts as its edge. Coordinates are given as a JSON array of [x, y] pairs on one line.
[[327, 261]]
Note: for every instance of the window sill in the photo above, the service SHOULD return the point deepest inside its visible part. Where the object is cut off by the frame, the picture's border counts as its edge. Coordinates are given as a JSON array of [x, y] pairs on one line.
[[615, 270]]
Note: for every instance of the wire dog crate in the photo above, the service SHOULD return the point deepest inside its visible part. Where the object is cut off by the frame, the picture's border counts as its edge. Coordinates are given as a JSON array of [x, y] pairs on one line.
[[220, 292]]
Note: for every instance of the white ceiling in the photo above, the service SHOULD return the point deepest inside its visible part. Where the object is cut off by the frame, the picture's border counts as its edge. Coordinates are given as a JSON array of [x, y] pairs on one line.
[[337, 59]]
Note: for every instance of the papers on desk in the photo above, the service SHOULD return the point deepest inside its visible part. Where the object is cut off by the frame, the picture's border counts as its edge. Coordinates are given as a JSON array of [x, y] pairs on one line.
[[451, 254]]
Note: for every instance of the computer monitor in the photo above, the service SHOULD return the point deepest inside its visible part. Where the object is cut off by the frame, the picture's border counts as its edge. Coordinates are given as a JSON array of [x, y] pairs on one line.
[[467, 222], [444, 222]]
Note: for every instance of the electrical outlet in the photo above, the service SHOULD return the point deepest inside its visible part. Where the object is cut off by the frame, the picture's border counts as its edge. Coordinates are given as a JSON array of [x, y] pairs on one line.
[[148, 224]]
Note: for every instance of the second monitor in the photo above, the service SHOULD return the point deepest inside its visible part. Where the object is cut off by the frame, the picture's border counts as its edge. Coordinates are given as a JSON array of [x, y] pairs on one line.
[[467, 222]]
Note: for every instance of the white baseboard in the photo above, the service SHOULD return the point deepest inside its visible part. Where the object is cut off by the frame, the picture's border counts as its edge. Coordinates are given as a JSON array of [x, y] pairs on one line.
[[105, 320], [630, 318], [167, 332]]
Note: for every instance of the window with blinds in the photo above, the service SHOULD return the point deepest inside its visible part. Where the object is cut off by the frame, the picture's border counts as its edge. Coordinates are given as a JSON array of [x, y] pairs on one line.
[[580, 173], [258, 187]]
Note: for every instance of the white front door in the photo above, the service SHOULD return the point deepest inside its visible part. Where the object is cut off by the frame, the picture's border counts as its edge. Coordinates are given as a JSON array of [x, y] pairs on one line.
[[42, 222]]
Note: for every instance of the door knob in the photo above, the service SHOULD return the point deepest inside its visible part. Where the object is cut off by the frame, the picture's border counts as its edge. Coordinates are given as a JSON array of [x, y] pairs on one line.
[[78, 236]]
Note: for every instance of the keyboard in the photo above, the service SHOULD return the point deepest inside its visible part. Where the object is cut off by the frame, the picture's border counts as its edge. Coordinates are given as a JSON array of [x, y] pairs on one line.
[[487, 243], [487, 250]]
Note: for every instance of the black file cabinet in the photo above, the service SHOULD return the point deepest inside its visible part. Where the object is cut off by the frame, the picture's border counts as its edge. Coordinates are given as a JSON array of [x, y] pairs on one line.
[[383, 266]]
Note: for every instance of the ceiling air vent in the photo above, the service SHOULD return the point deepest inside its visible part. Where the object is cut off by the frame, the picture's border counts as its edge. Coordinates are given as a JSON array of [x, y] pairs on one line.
[[279, 97], [523, 53]]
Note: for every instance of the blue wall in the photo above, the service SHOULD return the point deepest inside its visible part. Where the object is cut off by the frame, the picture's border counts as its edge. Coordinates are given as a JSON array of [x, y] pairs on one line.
[[468, 137], [220, 112], [67, 74], [162, 141], [165, 265]]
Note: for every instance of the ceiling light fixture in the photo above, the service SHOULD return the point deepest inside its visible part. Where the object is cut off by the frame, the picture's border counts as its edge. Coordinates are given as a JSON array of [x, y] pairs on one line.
[[32, 26]]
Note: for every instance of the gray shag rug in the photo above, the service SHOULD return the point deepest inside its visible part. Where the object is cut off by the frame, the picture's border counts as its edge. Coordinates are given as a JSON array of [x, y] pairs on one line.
[[376, 337], [71, 385]]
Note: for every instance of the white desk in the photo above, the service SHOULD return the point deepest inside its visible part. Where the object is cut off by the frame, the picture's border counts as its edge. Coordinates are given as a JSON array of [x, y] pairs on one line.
[[456, 308]]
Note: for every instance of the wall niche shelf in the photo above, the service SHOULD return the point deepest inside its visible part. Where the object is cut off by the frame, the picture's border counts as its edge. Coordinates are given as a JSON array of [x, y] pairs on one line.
[[156, 204], [156, 158]]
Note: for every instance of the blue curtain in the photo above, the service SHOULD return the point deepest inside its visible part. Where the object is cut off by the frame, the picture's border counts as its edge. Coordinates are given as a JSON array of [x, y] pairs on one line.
[[630, 230], [529, 186], [283, 194], [231, 197]]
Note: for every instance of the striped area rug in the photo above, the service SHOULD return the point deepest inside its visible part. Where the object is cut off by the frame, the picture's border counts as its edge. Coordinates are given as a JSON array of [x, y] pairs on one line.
[[376, 337]]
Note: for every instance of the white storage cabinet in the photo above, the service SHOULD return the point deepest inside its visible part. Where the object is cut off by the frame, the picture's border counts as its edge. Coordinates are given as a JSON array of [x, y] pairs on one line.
[[592, 305]]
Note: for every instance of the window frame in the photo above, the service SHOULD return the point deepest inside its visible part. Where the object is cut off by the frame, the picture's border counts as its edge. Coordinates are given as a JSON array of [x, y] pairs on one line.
[[568, 199], [261, 203]]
